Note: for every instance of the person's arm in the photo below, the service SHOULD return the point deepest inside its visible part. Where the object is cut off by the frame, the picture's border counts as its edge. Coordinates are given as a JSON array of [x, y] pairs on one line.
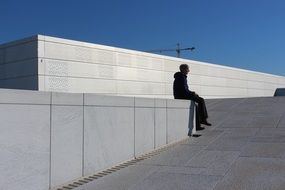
[[186, 88]]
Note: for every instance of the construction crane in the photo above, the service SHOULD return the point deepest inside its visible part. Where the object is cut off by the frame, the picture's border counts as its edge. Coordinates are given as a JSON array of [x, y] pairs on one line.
[[178, 50]]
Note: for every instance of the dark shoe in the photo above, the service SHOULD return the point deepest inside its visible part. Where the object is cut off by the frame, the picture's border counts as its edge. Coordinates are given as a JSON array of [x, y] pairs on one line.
[[199, 128], [189, 134], [206, 123]]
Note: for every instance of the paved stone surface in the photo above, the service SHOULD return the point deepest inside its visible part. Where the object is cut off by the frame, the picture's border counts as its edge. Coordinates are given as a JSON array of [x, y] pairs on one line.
[[255, 173], [243, 150], [178, 156], [170, 181]]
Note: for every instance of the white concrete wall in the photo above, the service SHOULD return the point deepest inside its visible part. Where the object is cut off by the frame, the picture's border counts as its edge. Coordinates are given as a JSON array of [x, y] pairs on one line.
[[48, 139], [73, 66], [52, 64]]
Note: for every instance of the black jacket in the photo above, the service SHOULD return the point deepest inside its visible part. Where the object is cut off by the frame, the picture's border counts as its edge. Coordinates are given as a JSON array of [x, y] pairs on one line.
[[180, 87]]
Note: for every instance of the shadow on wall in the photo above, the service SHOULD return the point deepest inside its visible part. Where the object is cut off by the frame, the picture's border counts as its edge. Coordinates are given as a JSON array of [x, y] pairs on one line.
[[279, 92]]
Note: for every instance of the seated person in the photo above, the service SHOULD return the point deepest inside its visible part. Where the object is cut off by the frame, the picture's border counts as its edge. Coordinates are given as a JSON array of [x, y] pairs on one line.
[[181, 91]]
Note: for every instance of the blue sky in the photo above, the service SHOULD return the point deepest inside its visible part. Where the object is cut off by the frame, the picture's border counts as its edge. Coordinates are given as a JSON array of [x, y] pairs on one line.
[[248, 34]]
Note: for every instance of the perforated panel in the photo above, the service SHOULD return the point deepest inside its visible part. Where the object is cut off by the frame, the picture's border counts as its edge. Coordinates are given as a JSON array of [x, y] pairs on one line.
[[59, 84], [57, 68]]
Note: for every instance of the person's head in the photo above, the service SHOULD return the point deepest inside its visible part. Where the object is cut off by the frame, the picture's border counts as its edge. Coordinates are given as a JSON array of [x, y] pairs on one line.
[[184, 68]]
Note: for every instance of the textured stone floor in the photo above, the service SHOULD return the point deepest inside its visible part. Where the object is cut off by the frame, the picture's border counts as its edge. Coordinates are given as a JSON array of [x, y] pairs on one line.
[[244, 149]]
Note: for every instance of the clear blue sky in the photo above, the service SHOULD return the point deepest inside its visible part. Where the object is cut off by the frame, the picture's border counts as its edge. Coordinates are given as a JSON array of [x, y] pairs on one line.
[[248, 34]]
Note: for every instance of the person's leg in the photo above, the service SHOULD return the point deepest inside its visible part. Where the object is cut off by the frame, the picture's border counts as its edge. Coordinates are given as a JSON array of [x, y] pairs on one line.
[[202, 110], [198, 119], [201, 107]]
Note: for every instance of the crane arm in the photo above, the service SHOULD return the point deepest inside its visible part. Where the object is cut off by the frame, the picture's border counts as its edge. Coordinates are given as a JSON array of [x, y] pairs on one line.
[[178, 50]]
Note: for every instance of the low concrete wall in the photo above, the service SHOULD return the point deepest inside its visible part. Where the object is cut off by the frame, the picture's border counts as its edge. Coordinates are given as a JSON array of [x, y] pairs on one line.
[[48, 139]]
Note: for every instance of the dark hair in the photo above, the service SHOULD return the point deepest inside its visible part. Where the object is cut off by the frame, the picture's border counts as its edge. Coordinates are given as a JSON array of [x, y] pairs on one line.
[[183, 67]]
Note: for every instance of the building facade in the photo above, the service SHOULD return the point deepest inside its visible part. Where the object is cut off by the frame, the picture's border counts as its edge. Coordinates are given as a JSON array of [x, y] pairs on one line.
[[53, 64]]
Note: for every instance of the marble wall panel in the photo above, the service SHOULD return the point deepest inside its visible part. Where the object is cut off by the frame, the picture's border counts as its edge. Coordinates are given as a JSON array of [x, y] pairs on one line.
[[79, 69], [177, 123], [241, 83], [160, 127], [171, 65], [144, 130], [158, 64], [140, 88], [103, 100], [79, 85], [255, 92], [253, 76], [59, 51], [105, 129], [269, 92], [255, 85], [159, 103], [169, 89], [104, 56], [178, 103], [41, 47], [24, 142], [196, 89], [216, 72], [194, 68], [212, 81], [145, 96], [143, 62], [78, 53], [66, 143], [232, 73], [126, 60], [213, 90], [144, 102], [24, 97], [194, 80], [72, 99], [169, 76], [146, 75], [269, 86], [281, 81]]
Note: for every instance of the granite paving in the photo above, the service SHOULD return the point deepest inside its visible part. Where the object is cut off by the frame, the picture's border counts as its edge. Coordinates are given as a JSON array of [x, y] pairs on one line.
[[243, 150]]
